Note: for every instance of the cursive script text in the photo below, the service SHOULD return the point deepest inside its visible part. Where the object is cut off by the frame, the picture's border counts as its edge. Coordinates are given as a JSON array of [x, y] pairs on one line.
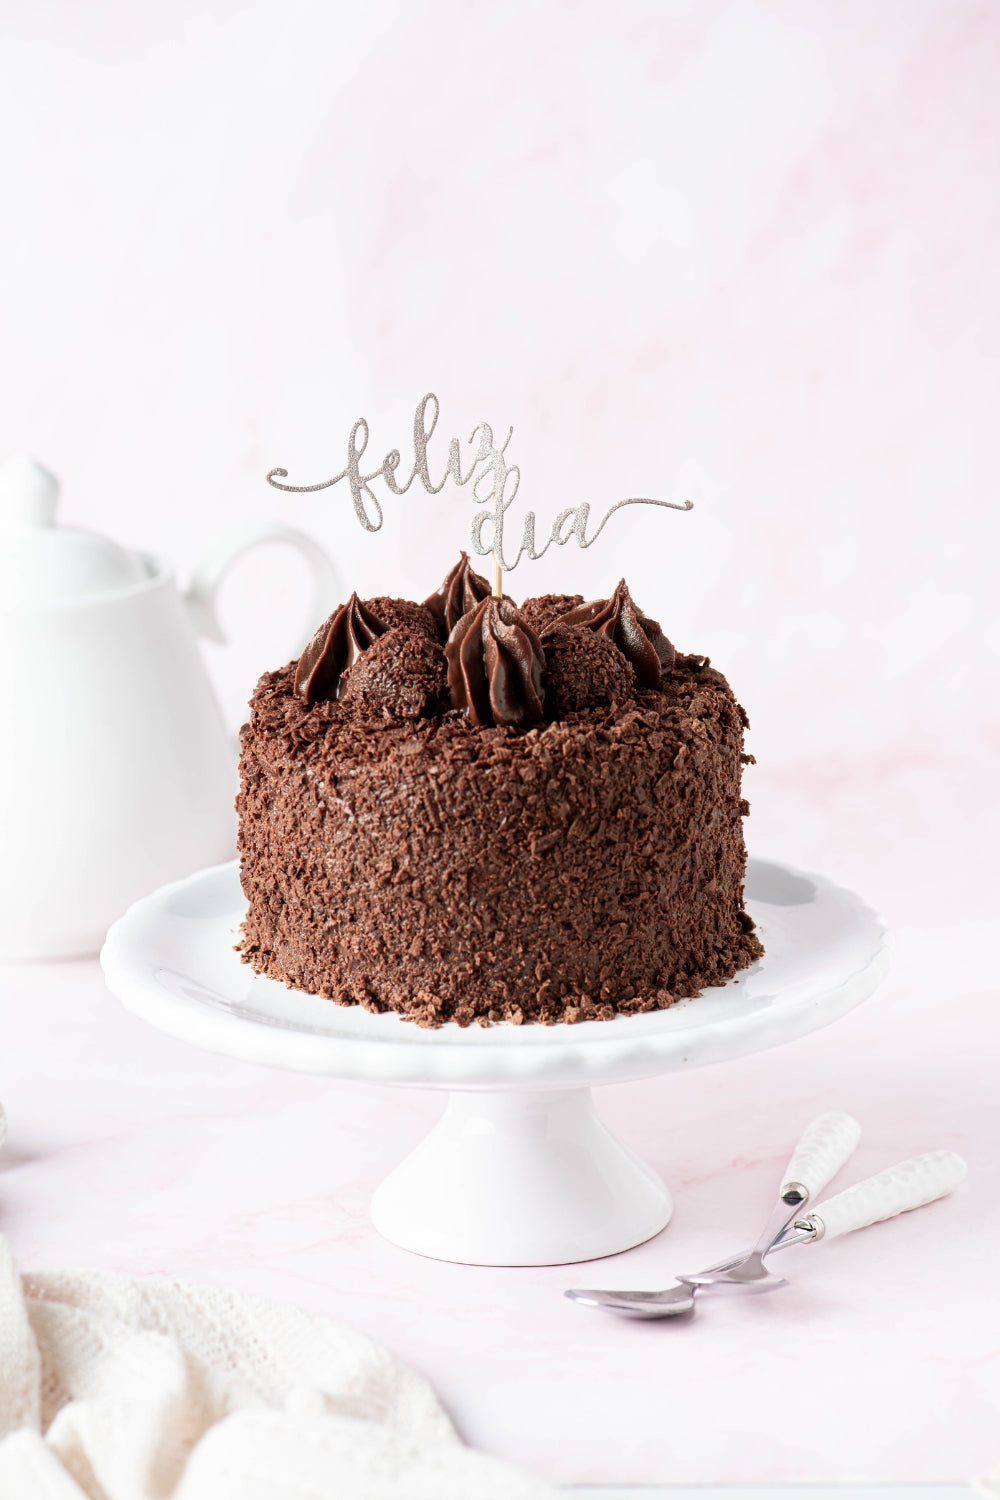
[[494, 483]]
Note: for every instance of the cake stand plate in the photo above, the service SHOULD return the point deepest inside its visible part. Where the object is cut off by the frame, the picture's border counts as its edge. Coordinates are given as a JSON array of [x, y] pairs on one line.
[[520, 1170]]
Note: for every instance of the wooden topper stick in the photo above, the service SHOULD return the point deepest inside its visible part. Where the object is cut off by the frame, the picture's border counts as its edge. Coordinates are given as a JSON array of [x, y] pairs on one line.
[[497, 572]]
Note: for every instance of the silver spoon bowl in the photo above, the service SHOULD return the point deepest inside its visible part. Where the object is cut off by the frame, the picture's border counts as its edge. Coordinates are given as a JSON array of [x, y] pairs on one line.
[[674, 1302]]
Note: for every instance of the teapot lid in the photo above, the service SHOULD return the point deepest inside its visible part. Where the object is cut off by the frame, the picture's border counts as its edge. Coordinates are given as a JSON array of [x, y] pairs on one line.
[[42, 563]]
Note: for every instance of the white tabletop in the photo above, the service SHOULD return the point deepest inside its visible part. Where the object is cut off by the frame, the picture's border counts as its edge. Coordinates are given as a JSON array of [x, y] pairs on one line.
[[132, 1151]]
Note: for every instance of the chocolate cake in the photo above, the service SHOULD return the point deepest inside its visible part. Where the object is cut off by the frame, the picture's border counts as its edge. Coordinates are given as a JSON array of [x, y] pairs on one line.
[[465, 811]]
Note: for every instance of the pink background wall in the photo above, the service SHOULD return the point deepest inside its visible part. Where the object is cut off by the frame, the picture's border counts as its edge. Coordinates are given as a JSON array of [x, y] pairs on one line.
[[754, 242]]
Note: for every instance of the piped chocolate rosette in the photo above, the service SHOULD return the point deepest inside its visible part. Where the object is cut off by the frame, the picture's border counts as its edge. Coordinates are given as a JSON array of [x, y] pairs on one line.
[[380, 656], [464, 650], [350, 630], [639, 639], [495, 665], [461, 591]]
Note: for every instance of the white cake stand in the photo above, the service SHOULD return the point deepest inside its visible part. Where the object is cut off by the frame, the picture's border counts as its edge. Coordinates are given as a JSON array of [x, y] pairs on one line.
[[520, 1170]]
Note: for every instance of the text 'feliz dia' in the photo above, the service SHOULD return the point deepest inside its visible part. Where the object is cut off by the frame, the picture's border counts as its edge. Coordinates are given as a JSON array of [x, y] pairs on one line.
[[494, 486]]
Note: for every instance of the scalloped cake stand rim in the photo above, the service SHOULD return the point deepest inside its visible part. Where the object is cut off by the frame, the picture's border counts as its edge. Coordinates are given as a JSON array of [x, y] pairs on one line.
[[170, 960]]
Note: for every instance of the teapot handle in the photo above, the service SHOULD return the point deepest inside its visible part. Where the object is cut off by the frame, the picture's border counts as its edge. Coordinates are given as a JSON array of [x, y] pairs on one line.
[[327, 587]]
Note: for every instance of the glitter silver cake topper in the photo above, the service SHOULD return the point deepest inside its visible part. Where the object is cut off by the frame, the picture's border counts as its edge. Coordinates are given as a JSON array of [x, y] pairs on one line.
[[494, 483]]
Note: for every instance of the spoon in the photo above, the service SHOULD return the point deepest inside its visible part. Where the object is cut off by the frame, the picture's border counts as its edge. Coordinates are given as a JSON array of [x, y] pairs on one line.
[[908, 1185], [673, 1301], [823, 1148]]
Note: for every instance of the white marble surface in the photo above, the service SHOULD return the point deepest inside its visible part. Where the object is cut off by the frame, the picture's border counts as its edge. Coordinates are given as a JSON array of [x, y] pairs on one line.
[[879, 1363]]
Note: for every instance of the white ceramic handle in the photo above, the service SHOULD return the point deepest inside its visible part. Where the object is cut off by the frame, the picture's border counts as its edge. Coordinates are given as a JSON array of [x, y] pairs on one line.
[[201, 596], [822, 1151], [908, 1185]]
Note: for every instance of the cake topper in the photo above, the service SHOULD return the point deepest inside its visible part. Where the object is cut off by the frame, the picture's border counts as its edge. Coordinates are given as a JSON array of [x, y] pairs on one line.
[[494, 482]]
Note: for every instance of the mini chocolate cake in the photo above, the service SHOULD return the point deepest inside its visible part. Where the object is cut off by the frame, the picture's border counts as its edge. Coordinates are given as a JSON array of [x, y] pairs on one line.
[[462, 811]]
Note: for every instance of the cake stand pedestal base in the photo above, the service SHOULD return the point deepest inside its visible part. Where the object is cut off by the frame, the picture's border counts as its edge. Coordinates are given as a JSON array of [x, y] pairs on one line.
[[520, 1179]]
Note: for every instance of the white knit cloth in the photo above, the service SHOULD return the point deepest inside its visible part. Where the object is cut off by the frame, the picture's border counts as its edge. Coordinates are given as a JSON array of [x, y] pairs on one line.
[[123, 1389]]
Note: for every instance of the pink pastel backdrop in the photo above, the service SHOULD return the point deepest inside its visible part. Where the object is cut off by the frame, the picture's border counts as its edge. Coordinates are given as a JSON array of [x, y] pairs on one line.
[[741, 246], [759, 240]]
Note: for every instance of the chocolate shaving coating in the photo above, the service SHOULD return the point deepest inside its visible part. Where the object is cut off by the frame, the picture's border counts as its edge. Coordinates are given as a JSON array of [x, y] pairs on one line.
[[461, 591], [571, 872], [638, 638], [350, 630], [495, 664]]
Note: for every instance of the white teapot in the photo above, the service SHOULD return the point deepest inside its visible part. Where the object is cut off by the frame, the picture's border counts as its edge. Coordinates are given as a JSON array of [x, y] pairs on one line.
[[116, 770]]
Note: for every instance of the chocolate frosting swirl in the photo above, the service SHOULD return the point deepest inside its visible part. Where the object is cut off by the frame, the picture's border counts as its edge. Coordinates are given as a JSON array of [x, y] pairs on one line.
[[638, 638], [461, 591], [350, 630], [495, 664]]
